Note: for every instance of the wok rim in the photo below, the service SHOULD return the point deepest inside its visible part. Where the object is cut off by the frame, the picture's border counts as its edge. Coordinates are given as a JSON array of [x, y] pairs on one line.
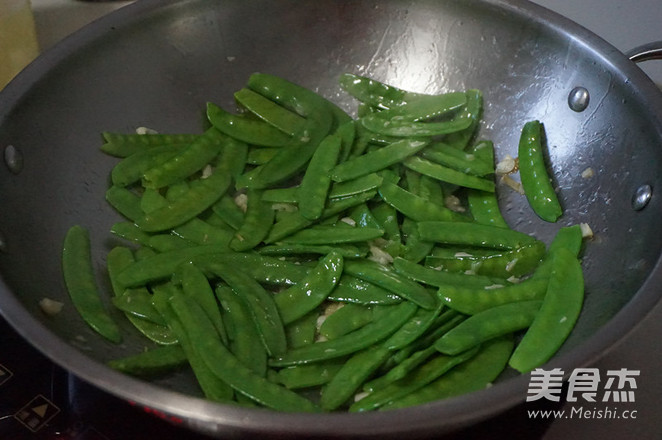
[[449, 414]]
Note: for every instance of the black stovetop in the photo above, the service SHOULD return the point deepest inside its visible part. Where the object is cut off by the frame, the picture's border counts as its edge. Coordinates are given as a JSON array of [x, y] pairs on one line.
[[40, 400]]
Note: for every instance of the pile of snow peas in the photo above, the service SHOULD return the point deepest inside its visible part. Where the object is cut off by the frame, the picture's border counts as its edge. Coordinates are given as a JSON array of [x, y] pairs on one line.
[[299, 259]]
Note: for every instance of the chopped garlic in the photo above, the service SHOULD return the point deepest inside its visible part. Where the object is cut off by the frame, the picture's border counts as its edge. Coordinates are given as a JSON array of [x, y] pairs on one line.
[[145, 130], [350, 221], [50, 306], [511, 265], [507, 165], [588, 173], [587, 232], [494, 286], [206, 171], [509, 181], [379, 255], [241, 200], [453, 203]]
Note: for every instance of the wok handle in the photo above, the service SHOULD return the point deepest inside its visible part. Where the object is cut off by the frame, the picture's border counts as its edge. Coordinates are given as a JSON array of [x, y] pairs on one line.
[[646, 52]]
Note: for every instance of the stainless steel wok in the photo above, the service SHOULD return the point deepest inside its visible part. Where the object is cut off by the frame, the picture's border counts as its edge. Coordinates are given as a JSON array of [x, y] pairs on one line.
[[156, 64]]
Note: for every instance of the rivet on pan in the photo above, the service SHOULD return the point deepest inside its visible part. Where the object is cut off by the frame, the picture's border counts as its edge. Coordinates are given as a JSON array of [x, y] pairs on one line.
[[578, 99], [641, 197], [13, 159]]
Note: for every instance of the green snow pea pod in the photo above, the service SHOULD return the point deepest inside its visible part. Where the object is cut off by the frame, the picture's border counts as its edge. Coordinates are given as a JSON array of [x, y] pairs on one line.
[[151, 200], [244, 340], [346, 319], [390, 280], [417, 379], [363, 217], [346, 251], [249, 130], [408, 358], [569, 238], [488, 324], [414, 248], [196, 285], [188, 161], [472, 110], [424, 107], [306, 295], [295, 221], [351, 375], [347, 133], [355, 186], [292, 96], [129, 231], [124, 145], [136, 303], [415, 207], [81, 283], [132, 168], [484, 208], [229, 211], [392, 319], [536, 180], [212, 387], [202, 194], [438, 278], [256, 225], [557, 316], [262, 268], [152, 362], [516, 262], [409, 129], [315, 184], [322, 234], [233, 158], [227, 367], [414, 328], [306, 376], [319, 114], [125, 202], [261, 304], [375, 93], [201, 232], [401, 369], [161, 266], [281, 195], [302, 331], [377, 159], [167, 242], [473, 234], [283, 119], [260, 156], [387, 216], [448, 175], [176, 191], [357, 291], [451, 157], [431, 189], [475, 374], [471, 300]]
